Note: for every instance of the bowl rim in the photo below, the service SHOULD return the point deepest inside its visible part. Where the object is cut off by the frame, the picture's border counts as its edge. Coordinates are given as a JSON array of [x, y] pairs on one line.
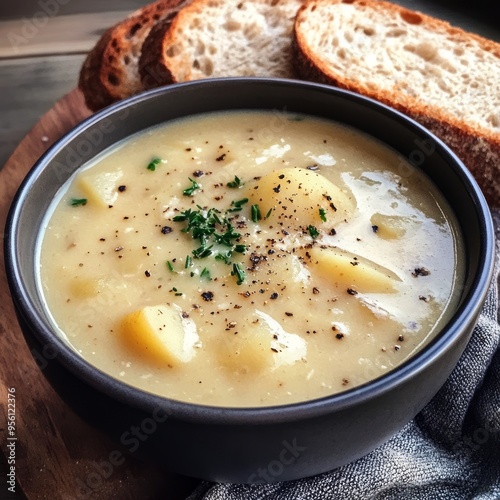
[[141, 399]]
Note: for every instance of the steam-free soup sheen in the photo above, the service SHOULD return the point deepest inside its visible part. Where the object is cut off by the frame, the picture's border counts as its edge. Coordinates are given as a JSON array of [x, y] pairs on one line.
[[249, 258]]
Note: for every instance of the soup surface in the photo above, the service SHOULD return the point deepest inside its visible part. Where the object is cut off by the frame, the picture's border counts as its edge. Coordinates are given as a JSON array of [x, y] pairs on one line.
[[249, 259]]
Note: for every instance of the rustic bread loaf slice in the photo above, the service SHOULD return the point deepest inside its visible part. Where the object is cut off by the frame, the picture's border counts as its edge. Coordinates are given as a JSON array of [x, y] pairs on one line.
[[444, 77], [215, 38], [110, 71]]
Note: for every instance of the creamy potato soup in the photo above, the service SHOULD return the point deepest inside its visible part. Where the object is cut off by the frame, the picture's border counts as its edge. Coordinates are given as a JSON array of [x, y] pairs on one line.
[[249, 259]]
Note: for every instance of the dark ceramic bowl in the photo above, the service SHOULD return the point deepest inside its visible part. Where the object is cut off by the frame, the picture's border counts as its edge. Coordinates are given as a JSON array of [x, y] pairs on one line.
[[247, 444]]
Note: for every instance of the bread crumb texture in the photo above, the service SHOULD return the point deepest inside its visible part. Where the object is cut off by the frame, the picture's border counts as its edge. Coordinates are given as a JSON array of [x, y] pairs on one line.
[[405, 53], [215, 38]]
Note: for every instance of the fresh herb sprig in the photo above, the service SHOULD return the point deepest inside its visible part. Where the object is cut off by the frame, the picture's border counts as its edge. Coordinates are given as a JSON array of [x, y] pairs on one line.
[[153, 164], [236, 183], [189, 191], [239, 273], [237, 205], [255, 213], [224, 256], [205, 274], [313, 232], [78, 202]]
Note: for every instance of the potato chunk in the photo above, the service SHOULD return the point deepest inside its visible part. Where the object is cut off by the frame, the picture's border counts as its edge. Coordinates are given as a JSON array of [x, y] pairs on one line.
[[161, 334], [299, 196], [86, 287], [257, 343], [282, 271], [100, 188], [246, 351], [389, 227], [351, 271]]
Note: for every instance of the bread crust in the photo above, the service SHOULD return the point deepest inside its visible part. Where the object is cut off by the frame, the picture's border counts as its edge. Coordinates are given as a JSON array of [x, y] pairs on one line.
[[154, 68], [160, 65], [477, 146], [95, 94], [110, 72], [153, 71]]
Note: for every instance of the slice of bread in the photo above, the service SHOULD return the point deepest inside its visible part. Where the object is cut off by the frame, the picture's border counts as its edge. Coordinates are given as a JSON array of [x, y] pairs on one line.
[[110, 71], [215, 38], [442, 76]]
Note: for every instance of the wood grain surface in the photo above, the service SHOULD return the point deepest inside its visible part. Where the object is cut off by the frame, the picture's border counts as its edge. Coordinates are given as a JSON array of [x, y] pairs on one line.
[[58, 456]]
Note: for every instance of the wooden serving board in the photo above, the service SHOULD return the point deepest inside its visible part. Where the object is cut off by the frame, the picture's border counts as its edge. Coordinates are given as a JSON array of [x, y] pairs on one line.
[[57, 455]]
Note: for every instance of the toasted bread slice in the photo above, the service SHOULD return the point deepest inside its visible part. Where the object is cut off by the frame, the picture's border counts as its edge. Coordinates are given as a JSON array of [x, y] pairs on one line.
[[215, 38], [442, 76], [110, 71]]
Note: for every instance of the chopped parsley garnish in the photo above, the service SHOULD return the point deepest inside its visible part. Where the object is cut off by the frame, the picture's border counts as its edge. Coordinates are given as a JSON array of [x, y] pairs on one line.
[[191, 189], [236, 183], [78, 202], [214, 233], [239, 273], [313, 231], [205, 274], [184, 216], [255, 210], [224, 256], [153, 163], [228, 236], [237, 205], [322, 214], [240, 248], [202, 252], [202, 224]]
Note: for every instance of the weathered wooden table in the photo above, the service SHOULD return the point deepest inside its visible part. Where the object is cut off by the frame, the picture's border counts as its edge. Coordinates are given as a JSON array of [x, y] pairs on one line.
[[57, 455]]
